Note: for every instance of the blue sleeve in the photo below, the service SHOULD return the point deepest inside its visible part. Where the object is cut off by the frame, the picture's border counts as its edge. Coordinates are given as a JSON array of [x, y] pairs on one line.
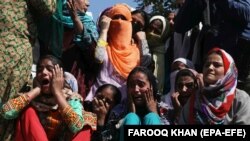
[[236, 10], [88, 36]]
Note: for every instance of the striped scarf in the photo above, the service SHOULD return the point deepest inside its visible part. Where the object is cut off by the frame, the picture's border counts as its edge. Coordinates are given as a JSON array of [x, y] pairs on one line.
[[212, 105]]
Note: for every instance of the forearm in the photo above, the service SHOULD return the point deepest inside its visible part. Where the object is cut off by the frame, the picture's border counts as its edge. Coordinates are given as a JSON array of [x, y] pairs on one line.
[[13, 107], [146, 57], [73, 116], [78, 26]]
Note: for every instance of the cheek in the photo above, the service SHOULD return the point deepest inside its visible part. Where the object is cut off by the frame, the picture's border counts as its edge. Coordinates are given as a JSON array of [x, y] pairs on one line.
[[220, 73]]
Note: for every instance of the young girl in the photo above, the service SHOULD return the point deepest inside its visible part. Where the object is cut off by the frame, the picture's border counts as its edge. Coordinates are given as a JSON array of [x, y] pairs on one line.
[[50, 111]]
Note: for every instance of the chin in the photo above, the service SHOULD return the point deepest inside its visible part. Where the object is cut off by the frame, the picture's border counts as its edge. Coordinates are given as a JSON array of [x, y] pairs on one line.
[[47, 92], [139, 103], [209, 81]]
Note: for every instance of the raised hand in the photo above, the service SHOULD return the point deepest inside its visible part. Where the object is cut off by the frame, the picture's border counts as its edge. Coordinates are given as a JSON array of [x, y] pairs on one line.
[[175, 101], [100, 108], [72, 8], [105, 22], [150, 101], [200, 81], [57, 80]]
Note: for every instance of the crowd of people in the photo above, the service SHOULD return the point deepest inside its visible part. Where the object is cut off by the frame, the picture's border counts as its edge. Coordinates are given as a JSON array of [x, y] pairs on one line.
[[64, 76]]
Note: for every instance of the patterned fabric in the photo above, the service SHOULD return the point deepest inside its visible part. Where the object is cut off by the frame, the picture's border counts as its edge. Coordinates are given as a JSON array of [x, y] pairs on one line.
[[88, 36], [90, 119], [11, 109], [17, 33], [72, 119], [53, 121], [213, 110]]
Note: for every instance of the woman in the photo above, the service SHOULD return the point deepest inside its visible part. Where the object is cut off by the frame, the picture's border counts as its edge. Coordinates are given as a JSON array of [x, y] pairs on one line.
[[50, 111], [156, 34], [218, 101], [115, 50], [105, 101], [178, 64], [142, 99], [185, 85], [71, 34], [142, 93], [139, 25]]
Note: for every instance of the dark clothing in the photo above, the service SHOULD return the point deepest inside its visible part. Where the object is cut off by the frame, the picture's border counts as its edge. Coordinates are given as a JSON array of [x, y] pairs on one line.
[[231, 18]]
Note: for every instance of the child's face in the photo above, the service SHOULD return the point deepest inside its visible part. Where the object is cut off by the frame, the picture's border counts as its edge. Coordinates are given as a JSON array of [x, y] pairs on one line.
[[107, 95], [44, 75]]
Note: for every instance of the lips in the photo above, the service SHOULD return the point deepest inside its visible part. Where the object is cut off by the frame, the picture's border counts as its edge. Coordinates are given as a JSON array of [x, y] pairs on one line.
[[138, 99], [45, 82]]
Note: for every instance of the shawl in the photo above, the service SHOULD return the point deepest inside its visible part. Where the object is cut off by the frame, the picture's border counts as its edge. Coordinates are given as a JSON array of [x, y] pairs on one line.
[[212, 110], [123, 54]]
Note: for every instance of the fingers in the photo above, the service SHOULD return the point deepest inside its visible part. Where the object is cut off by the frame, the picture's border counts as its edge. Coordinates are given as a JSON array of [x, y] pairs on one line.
[[149, 95], [57, 71]]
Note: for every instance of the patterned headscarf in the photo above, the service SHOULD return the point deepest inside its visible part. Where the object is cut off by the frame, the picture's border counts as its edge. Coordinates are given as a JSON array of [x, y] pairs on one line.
[[123, 54], [212, 110]]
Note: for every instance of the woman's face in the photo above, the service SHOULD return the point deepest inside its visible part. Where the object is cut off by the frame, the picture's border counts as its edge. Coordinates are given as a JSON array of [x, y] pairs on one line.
[[186, 87], [137, 86], [213, 69], [44, 75], [156, 27], [107, 96], [82, 5], [138, 20]]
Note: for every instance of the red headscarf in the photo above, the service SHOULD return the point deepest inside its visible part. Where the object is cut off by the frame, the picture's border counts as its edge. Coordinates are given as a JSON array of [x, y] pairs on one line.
[[213, 110]]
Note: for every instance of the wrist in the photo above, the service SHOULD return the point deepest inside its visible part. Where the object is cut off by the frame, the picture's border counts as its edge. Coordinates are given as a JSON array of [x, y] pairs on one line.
[[101, 43]]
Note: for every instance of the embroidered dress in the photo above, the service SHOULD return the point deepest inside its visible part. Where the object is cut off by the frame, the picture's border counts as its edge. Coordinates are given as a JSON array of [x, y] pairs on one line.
[[17, 34], [56, 123]]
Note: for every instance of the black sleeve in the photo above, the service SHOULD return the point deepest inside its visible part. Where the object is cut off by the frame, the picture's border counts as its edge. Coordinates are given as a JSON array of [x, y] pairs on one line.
[[189, 15]]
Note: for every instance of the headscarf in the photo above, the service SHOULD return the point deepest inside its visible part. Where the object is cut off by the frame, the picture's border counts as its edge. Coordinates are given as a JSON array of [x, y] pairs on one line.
[[163, 20], [212, 110], [185, 61], [189, 64], [156, 42], [122, 53]]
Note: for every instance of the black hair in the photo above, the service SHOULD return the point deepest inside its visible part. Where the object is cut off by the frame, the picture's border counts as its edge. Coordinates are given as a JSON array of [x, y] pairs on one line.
[[52, 58], [116, 91], [151, 78], [185, 72], [144, 15]]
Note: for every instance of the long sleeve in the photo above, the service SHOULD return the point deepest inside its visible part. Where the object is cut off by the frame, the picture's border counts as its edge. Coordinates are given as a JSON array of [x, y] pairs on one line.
[[238, 11], [189, 15], [73, 115], [146, 57], [100, 50], [89, 34], [13, 107]]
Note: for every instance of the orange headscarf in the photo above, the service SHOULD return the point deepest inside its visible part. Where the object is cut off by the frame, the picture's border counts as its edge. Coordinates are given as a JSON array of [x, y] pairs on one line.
[[122, 53]]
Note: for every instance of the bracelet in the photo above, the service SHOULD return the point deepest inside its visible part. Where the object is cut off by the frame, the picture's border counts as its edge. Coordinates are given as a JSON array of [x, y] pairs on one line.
[[101, 43]]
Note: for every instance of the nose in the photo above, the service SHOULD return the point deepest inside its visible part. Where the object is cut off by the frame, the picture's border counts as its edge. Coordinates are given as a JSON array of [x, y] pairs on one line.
[[210, 66], [184, 88], [137, 88], [45, 71]]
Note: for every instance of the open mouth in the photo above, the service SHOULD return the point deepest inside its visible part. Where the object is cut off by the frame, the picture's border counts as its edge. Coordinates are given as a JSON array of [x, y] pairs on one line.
[[45, 82]]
